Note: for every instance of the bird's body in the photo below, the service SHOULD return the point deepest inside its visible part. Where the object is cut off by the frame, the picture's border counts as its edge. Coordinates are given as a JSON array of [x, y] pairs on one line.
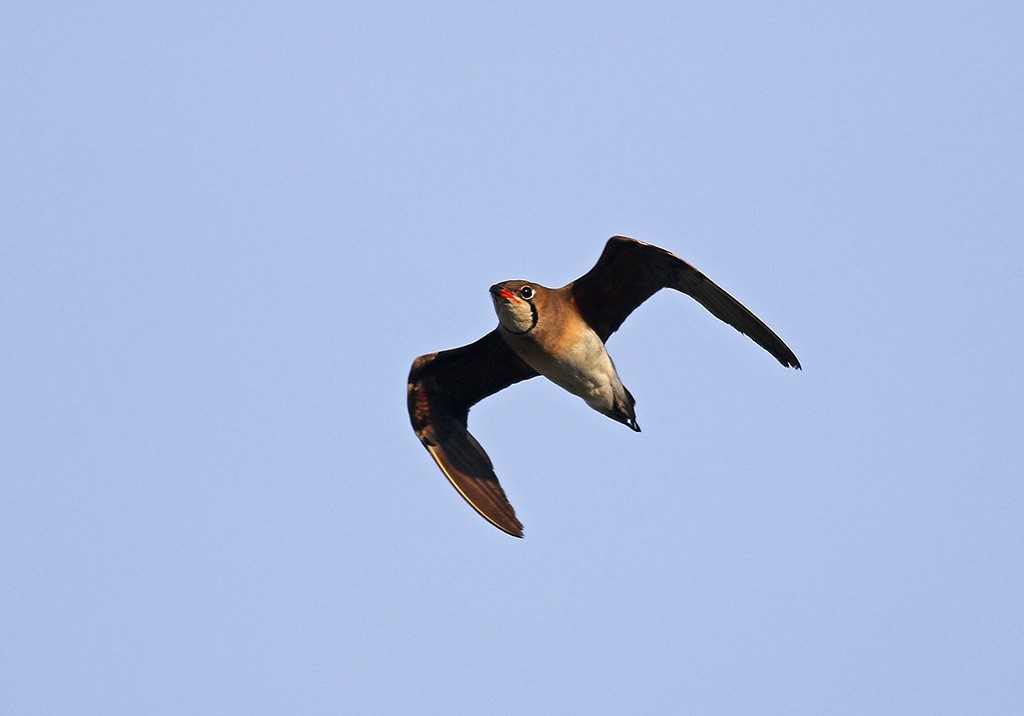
[[560, 334], [561, 346]]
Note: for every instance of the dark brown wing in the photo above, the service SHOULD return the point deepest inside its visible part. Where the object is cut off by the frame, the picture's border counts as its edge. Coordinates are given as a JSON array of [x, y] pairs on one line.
[[442, 388], [630, 271]]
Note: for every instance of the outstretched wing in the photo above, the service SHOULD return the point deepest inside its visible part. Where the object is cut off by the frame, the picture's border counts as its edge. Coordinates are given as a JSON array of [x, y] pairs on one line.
[[442, 388], [630, 271]]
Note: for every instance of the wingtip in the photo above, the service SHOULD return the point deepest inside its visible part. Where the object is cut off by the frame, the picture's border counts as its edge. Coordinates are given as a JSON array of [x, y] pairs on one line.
[[515, 529], [518, 534], [507, 523], [480, 490]]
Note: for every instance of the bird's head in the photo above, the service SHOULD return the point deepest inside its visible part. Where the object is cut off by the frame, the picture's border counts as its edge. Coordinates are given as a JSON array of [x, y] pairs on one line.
[[516, 302]]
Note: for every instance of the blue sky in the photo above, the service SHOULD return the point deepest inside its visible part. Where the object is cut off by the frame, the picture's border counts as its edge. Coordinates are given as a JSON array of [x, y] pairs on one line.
[[227, 232]]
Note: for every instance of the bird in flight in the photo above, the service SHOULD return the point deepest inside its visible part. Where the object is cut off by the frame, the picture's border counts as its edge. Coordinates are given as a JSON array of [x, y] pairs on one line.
[[559, 333]]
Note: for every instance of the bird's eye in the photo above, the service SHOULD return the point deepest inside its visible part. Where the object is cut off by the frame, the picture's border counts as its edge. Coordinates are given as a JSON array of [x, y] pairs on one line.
[[526, 292]]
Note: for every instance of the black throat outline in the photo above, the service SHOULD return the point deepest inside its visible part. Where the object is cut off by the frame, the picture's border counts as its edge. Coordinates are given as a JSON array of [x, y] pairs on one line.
[[533, 323]]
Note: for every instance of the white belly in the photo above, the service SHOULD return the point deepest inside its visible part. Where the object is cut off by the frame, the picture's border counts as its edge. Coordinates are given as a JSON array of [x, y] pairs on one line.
[[585, 369]]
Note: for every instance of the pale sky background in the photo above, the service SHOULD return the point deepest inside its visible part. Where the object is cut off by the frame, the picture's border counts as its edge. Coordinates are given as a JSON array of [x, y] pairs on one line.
[[228, 230]]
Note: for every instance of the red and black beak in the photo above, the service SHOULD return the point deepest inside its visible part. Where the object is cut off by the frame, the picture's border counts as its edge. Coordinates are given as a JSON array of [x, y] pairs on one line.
[[499, 291]]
